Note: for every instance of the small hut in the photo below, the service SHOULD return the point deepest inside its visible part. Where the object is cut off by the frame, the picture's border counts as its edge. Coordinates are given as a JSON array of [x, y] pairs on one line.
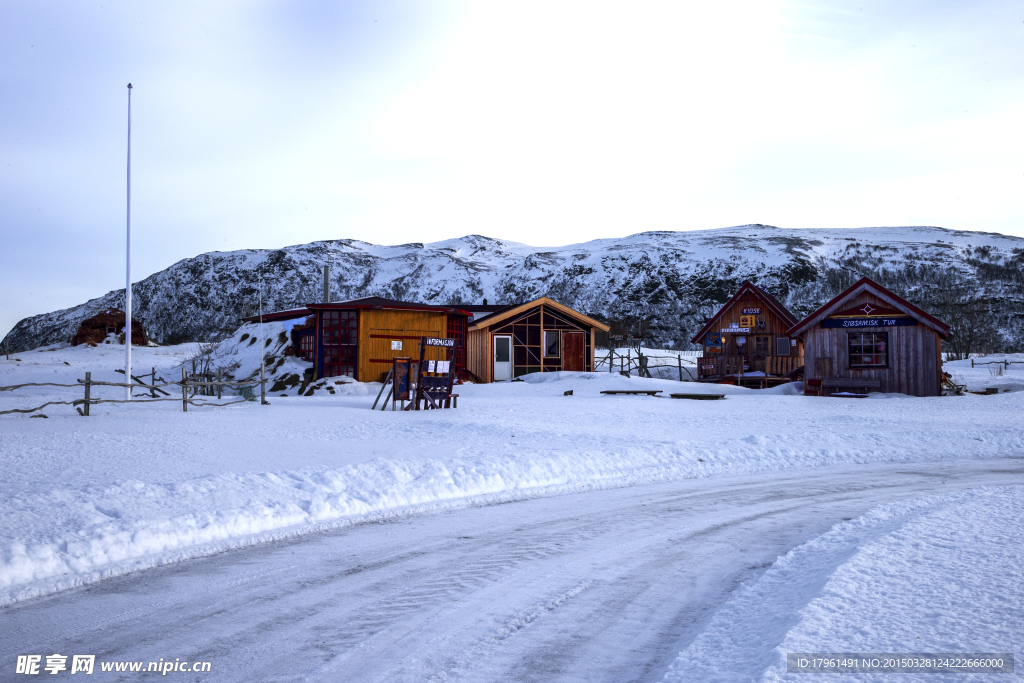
[[96, 329], [538, 336], [867, 338], [748, 340]]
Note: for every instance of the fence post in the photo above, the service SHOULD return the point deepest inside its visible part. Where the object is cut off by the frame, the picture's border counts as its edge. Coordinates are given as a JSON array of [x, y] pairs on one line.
[[263, 385], [611, 360], [184, 390], [679, 357], [972, 362], [88, 382], [152, 381], [218, 384]]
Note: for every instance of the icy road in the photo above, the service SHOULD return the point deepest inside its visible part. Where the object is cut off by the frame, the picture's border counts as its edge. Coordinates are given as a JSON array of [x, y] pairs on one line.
[[606, 585]]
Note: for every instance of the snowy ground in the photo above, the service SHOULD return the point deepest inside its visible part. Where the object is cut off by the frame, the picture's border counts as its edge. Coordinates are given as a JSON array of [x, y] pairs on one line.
[[602, 586], [139, 486]]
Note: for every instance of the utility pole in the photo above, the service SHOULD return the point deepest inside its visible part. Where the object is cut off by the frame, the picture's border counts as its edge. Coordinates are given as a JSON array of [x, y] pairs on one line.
[[128, 266]]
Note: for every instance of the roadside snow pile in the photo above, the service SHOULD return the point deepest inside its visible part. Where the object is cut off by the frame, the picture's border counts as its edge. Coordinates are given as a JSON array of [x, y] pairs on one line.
[[137, 485], [942, 574]]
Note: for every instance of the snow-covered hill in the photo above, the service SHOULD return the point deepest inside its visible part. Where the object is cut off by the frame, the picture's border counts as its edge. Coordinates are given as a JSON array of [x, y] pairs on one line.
[[671, 279]]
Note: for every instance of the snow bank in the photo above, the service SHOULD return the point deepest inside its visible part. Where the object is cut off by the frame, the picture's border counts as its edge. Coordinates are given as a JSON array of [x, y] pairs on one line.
[[938, 574], [135, 486]]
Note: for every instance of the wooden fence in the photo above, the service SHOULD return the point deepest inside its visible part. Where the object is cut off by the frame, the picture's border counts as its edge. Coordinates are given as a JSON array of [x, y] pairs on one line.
[[1005, 363], [631, 361], [189, 389]]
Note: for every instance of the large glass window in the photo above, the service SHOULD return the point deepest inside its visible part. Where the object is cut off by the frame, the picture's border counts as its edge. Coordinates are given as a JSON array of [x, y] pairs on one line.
[[457, 331], [340, 327], [551, 344], [869, 349], [340, 335]]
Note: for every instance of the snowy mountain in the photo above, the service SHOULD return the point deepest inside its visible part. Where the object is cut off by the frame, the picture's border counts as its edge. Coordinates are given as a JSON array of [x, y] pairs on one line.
[[669, 281]]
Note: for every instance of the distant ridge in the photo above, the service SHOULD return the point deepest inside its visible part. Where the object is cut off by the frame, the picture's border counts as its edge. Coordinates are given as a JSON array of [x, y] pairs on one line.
[[672, 279]]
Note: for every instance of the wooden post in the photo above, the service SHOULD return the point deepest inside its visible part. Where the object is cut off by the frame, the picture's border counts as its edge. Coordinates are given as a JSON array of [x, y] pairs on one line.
[[263, 386], [152, 381], [680, 358], [219, 387], [419, 376], [88, 384], [382, 387], [184, 390], [611, 360]]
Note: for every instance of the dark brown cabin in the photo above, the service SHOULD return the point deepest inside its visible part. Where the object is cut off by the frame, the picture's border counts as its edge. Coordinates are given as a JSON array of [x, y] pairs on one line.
[[111, 321], [867, 338], [538, 336], [748, 340]]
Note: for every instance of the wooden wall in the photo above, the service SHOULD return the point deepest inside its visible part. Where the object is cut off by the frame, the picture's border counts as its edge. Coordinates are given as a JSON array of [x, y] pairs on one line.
[[377, 329], [478, 353], [915, 355]]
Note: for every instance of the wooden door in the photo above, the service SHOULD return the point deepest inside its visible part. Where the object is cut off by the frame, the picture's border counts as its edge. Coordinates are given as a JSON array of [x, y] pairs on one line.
[[573, 348], [502, 358], [760, 354]]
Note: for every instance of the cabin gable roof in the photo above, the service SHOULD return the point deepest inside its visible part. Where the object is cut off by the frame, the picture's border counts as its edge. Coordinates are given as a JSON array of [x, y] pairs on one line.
[[747, 288], [839, 303], [511, 311]]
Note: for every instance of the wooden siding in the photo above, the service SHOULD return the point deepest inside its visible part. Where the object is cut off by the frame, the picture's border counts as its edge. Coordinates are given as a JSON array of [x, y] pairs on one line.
[[377, 329], [775, 327], [478, 358], [914, 355]]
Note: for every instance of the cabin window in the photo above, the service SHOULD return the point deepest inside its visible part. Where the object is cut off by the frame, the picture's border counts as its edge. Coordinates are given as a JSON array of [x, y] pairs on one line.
[[869, 349], [307, 345], [761, 347], [551, 344], [782, 346]]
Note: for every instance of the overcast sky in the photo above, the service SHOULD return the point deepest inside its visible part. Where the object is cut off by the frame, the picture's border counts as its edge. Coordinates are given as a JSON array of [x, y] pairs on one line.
[[264, 124]]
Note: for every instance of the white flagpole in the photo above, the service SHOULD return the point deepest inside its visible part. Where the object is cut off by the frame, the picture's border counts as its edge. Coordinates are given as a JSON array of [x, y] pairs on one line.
[[128, 266]]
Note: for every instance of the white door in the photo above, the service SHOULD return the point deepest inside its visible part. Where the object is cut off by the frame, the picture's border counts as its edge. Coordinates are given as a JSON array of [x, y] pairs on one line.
[[502, 359]]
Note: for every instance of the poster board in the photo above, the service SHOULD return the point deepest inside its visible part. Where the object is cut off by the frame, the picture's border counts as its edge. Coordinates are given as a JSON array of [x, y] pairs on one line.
[[401, 372]]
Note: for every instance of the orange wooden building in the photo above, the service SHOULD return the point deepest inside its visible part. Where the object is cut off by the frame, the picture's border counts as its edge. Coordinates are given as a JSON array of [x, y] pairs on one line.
[[749, 335], [359, 338]]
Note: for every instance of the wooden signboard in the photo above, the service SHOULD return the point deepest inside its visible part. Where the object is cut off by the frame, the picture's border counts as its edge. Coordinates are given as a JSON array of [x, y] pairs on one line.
[[434, 378], [748, 321], [872, 322], [713, 342]]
